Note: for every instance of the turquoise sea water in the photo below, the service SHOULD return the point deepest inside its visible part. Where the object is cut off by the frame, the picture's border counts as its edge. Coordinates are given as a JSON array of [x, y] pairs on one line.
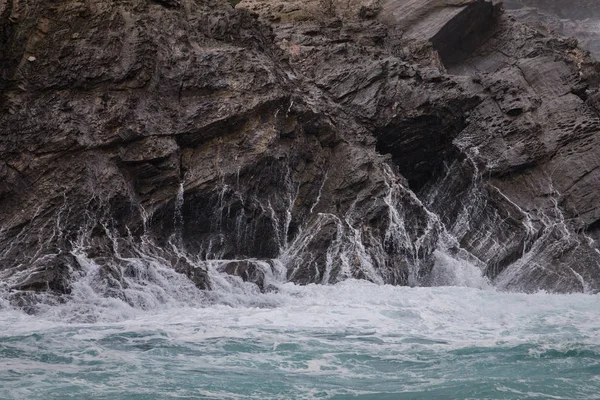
[[351, 340]]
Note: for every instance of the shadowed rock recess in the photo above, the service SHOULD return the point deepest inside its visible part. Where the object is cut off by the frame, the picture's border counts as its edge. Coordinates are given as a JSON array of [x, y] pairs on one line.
[[311, 141]]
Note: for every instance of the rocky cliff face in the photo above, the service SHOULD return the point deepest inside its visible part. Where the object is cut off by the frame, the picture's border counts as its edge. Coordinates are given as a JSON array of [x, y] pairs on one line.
[[142, 140], [579, 19]]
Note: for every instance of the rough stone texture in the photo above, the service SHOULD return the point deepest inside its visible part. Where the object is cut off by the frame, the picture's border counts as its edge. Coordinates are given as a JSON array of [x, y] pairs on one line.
[[529, 211], [253, 271], [192, 134], [162, 134], [454, 27], [479, 136], [579, 19]]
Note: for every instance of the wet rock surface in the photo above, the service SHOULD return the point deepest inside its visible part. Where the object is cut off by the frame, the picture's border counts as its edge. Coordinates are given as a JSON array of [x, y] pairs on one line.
[[331, 137]]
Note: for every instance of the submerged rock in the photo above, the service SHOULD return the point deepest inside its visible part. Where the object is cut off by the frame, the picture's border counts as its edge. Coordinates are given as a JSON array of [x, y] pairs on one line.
[[352, 142], [260, 272]]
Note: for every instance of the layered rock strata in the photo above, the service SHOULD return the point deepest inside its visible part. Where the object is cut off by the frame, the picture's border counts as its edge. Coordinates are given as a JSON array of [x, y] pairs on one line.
[[579, 19], [318, 140]]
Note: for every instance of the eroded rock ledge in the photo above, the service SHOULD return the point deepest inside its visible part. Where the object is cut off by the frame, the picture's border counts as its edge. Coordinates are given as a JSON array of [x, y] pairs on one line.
[[580, 20], [326, 140]]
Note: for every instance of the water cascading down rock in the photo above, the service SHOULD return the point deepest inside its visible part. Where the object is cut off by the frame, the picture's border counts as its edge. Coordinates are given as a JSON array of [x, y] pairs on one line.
[[149, 142]]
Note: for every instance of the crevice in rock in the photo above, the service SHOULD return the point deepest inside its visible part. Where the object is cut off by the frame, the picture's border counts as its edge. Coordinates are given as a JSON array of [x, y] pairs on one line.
[[168, 3]]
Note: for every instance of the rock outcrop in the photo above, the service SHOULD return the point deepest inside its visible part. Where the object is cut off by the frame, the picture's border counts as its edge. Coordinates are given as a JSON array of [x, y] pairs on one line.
[[580, 20], [327, 139]]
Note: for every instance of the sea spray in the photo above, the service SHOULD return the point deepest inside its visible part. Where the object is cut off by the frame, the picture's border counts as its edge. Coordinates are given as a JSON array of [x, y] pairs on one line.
[[351, 340]]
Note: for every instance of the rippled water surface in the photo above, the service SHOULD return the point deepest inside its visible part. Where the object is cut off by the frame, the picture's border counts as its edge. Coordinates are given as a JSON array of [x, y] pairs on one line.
[[351, 340]]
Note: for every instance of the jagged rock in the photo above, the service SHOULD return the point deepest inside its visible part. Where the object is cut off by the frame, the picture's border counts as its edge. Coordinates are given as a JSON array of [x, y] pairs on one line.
[[341, 143], [189, 133], [197, 274], [527, 211], [514, 90], [454, 27], [48, 274], [580, 20], [253, 271]]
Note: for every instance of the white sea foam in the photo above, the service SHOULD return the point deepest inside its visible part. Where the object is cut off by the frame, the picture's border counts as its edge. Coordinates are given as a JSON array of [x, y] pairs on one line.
[[318, 341]]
